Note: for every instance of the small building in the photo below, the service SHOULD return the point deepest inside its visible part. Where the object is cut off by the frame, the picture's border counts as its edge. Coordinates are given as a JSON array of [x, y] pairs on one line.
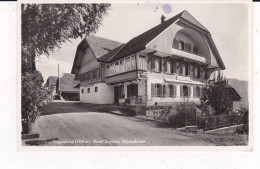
[[66, 89], [167, 63], [51, 83]]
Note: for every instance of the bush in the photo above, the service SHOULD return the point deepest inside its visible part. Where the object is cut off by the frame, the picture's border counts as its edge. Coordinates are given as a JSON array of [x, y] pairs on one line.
[[244, 118], [34, 96], [182, 113]]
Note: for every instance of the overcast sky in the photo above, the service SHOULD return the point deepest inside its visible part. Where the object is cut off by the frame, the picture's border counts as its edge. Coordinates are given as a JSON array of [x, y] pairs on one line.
[[228, 24]]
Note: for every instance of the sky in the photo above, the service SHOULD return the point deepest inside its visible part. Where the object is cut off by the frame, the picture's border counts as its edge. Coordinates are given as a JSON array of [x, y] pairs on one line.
[[227, 23]]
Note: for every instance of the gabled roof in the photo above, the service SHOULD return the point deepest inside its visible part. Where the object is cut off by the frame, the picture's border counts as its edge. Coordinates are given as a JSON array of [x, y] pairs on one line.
[[139, 42], [67, 83], [101, 46], [51, 81], [235, 95]]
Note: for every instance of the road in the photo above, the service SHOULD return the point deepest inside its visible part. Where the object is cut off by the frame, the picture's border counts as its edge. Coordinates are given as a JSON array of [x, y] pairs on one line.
[[73, 125]]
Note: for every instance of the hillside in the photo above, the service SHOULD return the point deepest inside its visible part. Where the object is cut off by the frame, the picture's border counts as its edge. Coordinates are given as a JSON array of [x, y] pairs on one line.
[[242, 89]]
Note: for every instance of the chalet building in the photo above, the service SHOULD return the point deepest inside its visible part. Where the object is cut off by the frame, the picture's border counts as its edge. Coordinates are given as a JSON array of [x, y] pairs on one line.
[[167, 63], [65, 87]]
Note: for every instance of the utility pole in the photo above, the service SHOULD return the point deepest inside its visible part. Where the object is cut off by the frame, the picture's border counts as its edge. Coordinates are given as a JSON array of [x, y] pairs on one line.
[[58, 80]]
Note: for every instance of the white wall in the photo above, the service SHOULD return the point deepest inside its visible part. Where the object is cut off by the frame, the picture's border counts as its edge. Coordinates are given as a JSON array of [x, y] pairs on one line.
[[105, 94]]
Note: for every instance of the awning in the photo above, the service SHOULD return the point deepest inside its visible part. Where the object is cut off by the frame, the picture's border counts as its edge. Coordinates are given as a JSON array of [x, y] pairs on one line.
[[182, 81]]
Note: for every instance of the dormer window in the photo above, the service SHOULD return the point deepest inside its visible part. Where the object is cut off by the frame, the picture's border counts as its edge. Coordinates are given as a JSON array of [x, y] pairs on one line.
[[195, 50], [188, 47]]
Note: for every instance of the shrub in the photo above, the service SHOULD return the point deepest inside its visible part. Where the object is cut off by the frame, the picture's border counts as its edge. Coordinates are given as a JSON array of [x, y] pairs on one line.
[[34, 96], [244, 118], [183, 113]]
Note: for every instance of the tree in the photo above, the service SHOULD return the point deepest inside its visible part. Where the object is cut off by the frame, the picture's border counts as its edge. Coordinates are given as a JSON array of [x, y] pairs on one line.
[[44, 28], [217, 94], [47, 26]]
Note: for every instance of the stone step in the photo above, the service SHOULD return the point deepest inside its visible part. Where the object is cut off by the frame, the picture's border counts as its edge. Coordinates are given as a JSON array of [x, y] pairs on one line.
[[191, 128], [30, 136]]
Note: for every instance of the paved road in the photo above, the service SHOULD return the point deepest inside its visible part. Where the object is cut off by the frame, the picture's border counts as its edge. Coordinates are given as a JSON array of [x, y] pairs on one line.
[[74, 125]]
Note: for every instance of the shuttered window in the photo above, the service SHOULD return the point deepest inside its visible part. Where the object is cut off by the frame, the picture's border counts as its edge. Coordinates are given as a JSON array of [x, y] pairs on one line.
[[185, 91], [157, 90], [187, 47], [172, 90], [195, 50], [181, 45], [156, 64]]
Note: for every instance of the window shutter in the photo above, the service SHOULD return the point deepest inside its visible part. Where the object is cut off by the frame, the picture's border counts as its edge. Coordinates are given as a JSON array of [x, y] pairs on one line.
[[200, 92], [188, 69], [173, 67], [167, 92], [174, 90], [194, 91], [165, 65], [153, 63], [152, 89], [181, 91], [160, 90], [180, 67], [189, 91]]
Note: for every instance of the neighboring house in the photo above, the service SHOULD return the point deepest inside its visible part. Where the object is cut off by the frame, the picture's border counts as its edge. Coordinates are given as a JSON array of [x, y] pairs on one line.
[[51, 82], [66, 87], [167, 63], [235, 96]]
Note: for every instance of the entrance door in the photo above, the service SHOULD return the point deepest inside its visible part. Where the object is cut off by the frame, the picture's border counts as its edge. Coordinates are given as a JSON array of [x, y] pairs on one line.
[[116, 98], [132, 90]]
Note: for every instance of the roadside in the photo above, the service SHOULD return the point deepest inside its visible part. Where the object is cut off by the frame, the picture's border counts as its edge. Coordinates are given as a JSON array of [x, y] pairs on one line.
[[72, 124]]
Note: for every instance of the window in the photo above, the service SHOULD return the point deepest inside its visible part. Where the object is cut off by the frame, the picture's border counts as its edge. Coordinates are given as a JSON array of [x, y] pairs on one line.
[[185, 91], [183, 69], [195, 71], [156, 90], [171, 91], [121, 92], [133, 63], [107, 70], [156, 64], [187, 69], [96, 89], [168, 67], [188, 47], [142, 63], [195, 50], [82, 90], [88, 90], [198, 92], [122, 66], [181, 45], [128, 64]]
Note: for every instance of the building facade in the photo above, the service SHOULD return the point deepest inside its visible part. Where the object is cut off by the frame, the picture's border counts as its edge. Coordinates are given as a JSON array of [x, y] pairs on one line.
[[168, 63]]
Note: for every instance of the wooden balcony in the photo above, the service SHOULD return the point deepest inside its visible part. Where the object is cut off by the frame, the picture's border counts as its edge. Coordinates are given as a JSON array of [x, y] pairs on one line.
[[189, 56]]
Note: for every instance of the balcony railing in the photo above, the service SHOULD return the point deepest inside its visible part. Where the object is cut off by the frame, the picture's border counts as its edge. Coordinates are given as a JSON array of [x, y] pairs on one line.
[[189, 55]]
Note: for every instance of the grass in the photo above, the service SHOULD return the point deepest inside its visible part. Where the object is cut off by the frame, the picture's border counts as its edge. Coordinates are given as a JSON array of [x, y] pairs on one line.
[[221, 139]]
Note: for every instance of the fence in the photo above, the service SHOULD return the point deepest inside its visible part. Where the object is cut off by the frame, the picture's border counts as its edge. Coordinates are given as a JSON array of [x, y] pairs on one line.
[[218, 121]]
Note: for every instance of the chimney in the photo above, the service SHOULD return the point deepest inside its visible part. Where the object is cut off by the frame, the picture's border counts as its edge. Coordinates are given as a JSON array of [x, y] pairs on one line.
[[163, 19]]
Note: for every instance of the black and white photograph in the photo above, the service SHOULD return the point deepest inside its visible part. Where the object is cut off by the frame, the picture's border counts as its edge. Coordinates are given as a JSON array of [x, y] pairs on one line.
[[135, 74]]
